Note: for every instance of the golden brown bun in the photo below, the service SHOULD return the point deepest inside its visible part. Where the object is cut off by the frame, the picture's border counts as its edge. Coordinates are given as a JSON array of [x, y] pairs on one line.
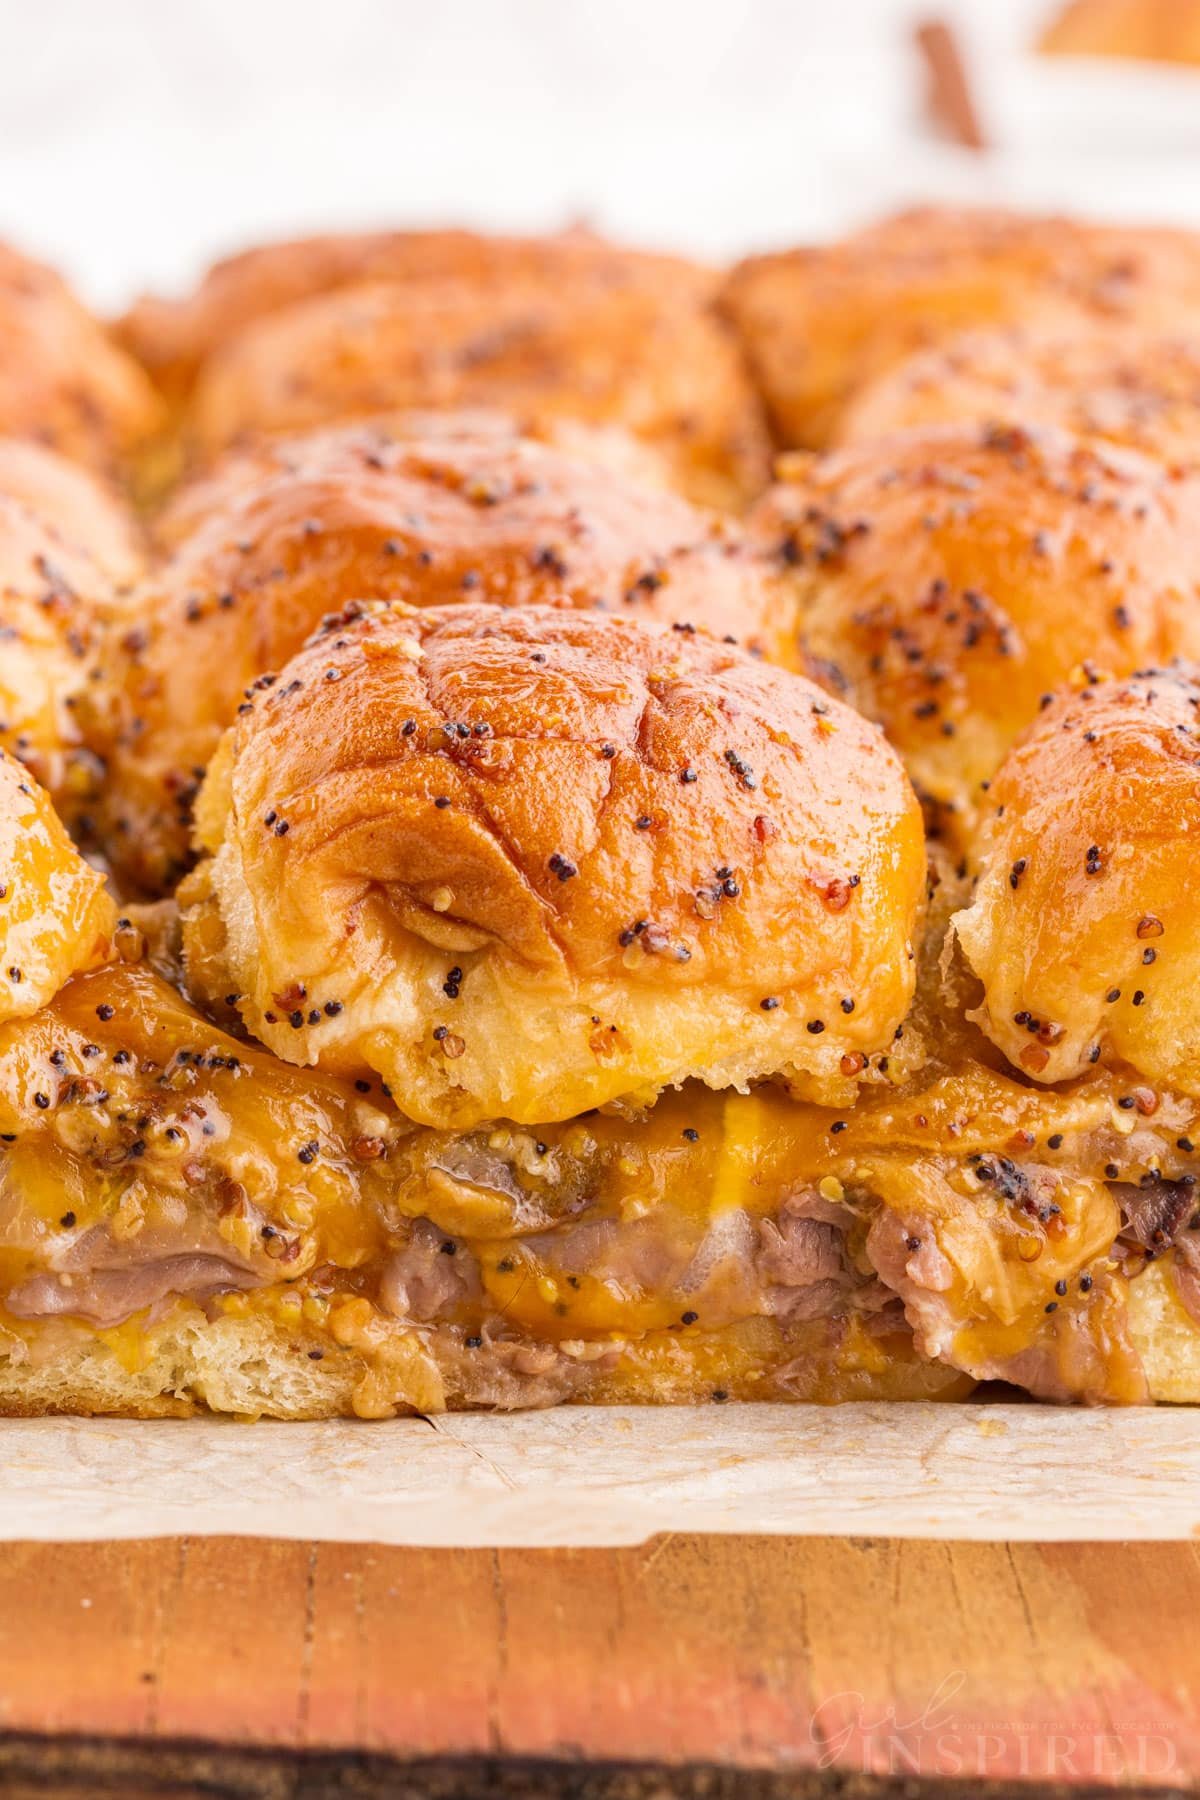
[[273, 541], [1166, 1335], [1084, 928], [63, 382], [950, 577], [204, 493], [820, 324], [64, 543], [1122, 385], [174, 338], [55, 917], [260, 1366], [631, 356], [524, 862], [1155, 30], [85, 513]]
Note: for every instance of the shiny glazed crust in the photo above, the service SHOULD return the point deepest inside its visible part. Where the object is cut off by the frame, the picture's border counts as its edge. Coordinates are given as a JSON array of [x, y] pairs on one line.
[[55, 916], [1084, 928], [56, 565], [630, 356], [819, 324], [525, 862], [174, 338], [1121, 385], [259, 551], [63, 382], [950, 577]]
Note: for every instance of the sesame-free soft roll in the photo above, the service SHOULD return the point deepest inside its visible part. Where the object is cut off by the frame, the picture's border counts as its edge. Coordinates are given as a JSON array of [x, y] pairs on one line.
[[1084, 928], [1116, 383], [55, 917], [821, 323], [269, 544], [525, 862], [630, 356], [949, 577]]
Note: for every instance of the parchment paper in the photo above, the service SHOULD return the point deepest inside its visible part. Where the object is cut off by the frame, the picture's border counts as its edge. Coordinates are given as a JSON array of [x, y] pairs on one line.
[[588, 1476]]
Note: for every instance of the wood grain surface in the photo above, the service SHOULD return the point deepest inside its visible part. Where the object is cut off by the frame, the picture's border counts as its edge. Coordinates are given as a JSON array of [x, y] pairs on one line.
[[793, 1665]]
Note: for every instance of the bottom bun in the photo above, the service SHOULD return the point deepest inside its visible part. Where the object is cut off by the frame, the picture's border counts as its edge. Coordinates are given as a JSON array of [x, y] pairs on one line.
[[258, 1367], [1166, 1335]]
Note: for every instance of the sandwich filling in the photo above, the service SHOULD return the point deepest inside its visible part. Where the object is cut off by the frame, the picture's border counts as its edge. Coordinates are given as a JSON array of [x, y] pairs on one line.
[[966, 1226]]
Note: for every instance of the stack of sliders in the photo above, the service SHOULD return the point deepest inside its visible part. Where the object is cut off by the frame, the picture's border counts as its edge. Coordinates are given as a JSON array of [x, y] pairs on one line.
[[503, 902]]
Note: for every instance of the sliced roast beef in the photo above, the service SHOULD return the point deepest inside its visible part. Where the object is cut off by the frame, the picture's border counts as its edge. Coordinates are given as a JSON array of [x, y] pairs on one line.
[[108, 1296], [429, 1278], [801, 1265], [906, 1255], [1155, 1210]]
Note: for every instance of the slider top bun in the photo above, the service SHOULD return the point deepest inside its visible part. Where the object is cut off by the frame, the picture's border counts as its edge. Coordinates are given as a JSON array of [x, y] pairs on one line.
[[1126, 386], [950, 577], [55, 917], [203, 493], [1084, 928], [173, 338], [819, 324], [82, 511], [522, 863], [632, 355], [64, 543], [63, 382], [262, 554]]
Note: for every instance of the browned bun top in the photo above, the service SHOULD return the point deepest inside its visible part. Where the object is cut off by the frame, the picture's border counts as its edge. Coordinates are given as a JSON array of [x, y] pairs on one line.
[[63, 382], [526, 862], [820, 324], [1117, 383], [311, 523], [81, 510], [174, 338], [634, 356], [950, 577], [55, 917], [65, 544], [205, 492], [1084, 927]]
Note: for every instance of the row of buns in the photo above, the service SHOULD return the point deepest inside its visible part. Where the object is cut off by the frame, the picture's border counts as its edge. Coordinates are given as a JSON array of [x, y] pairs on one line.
[[564, 941]]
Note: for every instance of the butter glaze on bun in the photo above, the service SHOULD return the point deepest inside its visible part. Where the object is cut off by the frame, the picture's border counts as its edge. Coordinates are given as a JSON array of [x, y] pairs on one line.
[[64, 542], [84, 512], [63, 382], [55, 917], [1125, 386], [260, 554], [522, 863], [950, 577], [819, 324], [629, 356], [174, 338], [1084, 927], [204, 492]]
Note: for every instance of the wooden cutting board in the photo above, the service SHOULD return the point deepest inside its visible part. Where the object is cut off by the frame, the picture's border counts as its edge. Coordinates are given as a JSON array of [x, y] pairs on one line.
[[721, 1666]]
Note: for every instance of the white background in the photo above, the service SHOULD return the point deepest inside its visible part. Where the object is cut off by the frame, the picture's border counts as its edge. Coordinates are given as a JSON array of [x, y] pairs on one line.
[[139, 137]]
